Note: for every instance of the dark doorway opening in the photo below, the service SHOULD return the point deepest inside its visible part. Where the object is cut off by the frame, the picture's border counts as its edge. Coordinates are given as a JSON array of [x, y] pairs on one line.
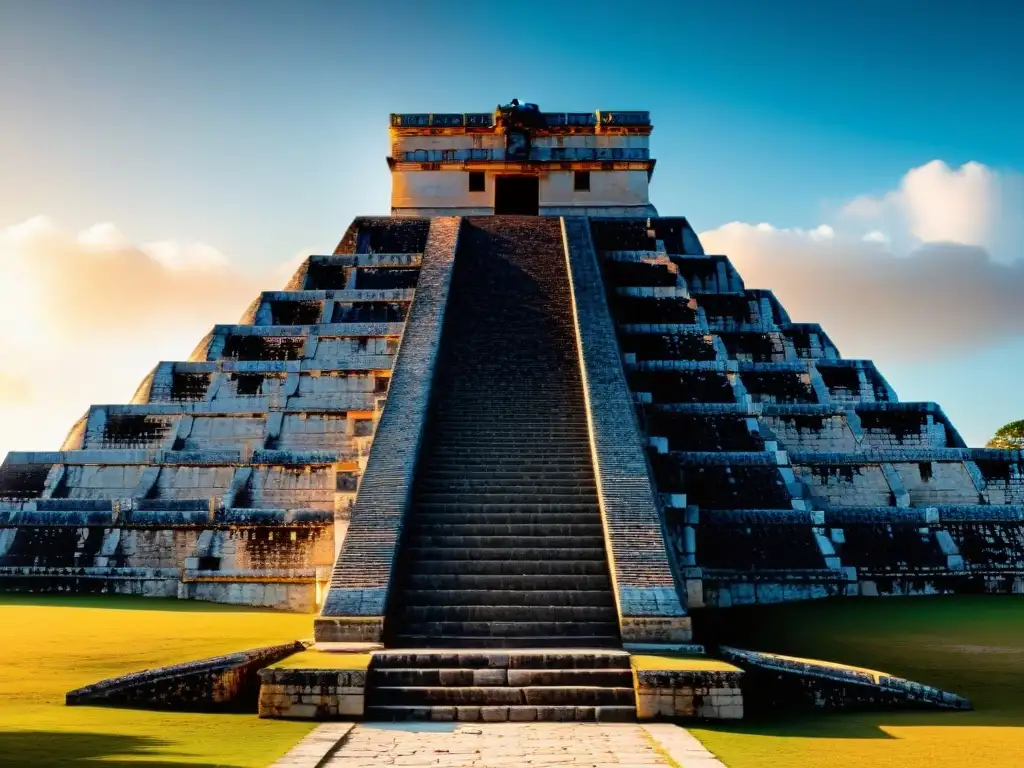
[[517, 195]]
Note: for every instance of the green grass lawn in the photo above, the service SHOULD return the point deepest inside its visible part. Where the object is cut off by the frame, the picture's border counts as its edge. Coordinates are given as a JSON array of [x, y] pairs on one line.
[[973, 646], [52, 644]]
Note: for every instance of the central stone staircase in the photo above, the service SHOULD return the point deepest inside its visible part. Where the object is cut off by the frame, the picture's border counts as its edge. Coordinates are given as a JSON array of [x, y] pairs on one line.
[[504, 545]]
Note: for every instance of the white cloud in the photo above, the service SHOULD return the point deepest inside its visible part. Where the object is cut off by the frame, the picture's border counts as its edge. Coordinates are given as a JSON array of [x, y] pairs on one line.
[[86, 315], [938, 268], [933, 203], [874, 304]]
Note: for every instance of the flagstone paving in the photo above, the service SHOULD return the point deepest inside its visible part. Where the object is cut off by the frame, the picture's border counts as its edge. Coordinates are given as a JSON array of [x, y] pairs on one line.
[[500, 745]]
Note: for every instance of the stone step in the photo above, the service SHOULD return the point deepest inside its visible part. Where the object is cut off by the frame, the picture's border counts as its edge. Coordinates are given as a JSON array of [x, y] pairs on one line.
[[498, 485], [528, 451], [443, 434], [530, 496], [507, 508], [512, 582], [441, 630], [496, 420], [411, 639], [541, 474], [502, 421], [498, 488], [472, 461], [423, 541], [534, 441], [513, 678], [431, 526], [520, 568], [507, 554], [440, 613], [430, 516], [578, 695], [490, 714], [517, 597], [545, 659]]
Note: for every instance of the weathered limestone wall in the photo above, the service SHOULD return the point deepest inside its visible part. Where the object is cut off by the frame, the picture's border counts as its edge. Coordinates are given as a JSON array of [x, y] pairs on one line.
[[312, 694], [673, 694], [612, 192], [275, 562]]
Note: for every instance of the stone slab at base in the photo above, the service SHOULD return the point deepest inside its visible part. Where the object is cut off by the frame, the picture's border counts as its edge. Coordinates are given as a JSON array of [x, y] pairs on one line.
[[684, 693], [220, 683], [775, 682], [312, 694]]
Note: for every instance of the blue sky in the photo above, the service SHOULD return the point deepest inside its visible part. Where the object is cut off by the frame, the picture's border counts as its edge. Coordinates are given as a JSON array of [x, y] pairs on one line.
[[259, 128]]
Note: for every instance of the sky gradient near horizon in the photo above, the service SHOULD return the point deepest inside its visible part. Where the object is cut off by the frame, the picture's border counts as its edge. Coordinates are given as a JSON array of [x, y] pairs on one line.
[[160, 163]]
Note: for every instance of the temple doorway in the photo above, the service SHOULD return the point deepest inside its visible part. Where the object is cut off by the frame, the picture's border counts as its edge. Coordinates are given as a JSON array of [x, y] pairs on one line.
[[517, 195]]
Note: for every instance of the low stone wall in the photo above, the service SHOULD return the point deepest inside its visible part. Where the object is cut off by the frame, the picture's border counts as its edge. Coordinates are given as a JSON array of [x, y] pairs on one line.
[[293, 590], [312, 694], [707, 695], [145, 582], [221, 683], [776, 683]]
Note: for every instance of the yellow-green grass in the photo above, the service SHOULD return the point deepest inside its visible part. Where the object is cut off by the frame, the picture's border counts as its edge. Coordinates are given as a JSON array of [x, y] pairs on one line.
[[678, 662], [324, 660], [52, 644], [973, 646]]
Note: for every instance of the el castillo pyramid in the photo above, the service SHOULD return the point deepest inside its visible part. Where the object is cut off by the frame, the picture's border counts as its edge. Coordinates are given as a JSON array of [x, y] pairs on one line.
[[521, 412]]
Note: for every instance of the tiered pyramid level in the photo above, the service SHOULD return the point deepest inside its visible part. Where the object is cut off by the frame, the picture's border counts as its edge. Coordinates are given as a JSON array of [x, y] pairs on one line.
[[785, 471], [572, 387], [229, 477]]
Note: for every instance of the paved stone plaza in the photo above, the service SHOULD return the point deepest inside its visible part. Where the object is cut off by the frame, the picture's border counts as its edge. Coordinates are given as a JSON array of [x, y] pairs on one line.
[[499, 745]]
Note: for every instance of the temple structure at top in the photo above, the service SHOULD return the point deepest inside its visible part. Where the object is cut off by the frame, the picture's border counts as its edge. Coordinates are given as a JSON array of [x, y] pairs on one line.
[[519, 160]]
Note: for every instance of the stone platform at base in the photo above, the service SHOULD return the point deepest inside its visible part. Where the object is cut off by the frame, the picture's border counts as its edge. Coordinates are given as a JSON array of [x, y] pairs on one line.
[[492, 686]]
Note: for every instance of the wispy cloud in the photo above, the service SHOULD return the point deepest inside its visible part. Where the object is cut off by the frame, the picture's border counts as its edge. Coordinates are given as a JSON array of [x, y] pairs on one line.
[[945, 273], [88, 314]]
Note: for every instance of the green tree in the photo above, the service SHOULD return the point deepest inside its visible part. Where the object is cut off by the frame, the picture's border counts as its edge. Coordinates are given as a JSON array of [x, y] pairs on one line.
[[1008, 436]]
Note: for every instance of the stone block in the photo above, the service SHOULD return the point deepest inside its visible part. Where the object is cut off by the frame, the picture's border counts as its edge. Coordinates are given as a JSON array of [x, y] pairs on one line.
[[351, 705], [467, 714], [459, 677], [494, 714], [302, 711], [647, 705], [522, 714], [683, 705], [731, 712]]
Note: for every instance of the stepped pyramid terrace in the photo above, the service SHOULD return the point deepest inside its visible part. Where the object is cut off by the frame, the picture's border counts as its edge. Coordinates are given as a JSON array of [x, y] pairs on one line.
[[509, 439]]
